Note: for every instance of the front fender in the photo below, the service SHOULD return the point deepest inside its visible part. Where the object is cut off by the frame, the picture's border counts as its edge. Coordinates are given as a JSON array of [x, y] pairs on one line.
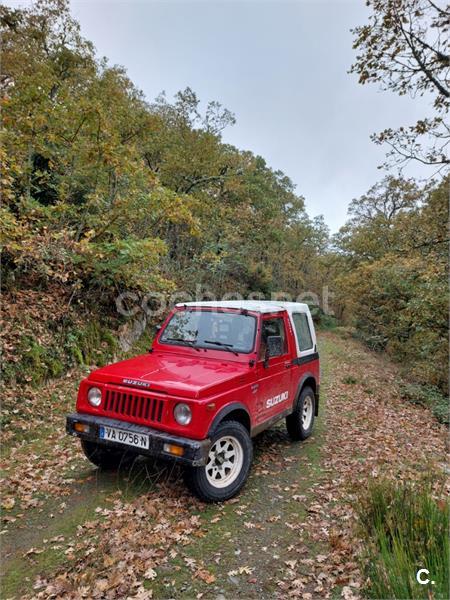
[[226, 410]]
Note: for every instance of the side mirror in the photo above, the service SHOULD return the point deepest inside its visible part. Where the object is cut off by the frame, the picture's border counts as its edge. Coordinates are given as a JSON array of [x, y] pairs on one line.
[[274, 348]]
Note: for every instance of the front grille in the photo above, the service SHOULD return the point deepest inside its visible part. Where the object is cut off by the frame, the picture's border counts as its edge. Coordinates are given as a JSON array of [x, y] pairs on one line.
[[131, 405]]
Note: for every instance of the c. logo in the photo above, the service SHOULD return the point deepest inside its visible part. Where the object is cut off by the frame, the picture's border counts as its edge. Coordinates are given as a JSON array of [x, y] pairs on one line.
[[420, 579]]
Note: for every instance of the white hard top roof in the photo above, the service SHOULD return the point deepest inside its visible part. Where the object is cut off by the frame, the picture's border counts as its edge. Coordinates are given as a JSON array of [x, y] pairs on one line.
[[261, 306]]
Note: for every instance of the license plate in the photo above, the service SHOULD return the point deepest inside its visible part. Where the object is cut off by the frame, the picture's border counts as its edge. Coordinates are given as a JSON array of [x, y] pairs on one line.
[[129, 438]]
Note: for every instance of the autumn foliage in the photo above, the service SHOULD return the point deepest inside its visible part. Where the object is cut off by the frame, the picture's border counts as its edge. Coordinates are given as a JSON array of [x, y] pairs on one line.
[[104, 191], [392, 274]]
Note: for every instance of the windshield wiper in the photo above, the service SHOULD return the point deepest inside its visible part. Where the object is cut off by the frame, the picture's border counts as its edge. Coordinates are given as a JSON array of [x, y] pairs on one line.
[[190, 343], [228, 347]]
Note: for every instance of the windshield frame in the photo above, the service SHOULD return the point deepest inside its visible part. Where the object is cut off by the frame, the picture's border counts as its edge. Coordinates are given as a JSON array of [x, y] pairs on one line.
[[212, 347]]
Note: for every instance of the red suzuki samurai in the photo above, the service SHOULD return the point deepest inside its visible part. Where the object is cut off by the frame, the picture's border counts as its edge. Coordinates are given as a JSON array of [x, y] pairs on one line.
[[218, 373]]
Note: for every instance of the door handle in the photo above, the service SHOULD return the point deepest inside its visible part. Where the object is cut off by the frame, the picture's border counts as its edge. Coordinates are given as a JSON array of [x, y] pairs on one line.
[[288, 364]]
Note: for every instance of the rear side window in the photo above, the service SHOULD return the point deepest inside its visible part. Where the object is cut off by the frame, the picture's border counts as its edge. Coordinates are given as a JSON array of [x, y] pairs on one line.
[[303, 332]]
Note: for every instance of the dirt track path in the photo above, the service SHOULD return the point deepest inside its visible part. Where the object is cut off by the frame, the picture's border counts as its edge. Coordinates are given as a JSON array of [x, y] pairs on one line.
[[290, 533]]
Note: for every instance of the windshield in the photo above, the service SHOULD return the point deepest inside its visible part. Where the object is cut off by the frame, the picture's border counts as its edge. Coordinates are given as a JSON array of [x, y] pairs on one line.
[[209, 329]]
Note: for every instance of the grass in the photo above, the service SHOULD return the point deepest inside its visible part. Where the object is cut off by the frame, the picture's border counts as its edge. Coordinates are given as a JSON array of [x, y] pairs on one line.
[[404, 529], [93, 489], [21, 571]]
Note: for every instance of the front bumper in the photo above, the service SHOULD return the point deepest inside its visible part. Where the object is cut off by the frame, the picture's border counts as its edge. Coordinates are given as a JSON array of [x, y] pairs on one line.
[[195, 451]]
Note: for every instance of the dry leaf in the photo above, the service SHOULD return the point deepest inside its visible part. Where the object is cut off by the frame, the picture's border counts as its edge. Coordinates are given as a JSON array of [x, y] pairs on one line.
[[8, 503]]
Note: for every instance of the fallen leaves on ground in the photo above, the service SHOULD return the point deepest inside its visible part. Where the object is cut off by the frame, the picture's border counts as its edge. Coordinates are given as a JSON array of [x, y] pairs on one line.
[[368, 435], [135, 538], [129, 546]]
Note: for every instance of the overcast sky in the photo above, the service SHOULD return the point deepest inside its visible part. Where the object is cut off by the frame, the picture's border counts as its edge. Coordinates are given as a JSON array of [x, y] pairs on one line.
[[281, 67]]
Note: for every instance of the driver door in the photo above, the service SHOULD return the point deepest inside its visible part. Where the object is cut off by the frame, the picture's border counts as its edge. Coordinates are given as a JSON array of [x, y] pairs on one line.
[[275, 376]]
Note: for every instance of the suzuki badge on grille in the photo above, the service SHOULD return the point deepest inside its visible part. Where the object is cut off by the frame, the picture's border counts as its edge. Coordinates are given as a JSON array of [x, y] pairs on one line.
[[136, 382]]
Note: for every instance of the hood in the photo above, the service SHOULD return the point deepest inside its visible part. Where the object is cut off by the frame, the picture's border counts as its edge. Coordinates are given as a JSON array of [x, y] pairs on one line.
[[174, 374]]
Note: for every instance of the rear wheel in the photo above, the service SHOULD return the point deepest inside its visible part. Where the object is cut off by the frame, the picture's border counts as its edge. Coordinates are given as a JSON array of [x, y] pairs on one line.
[[106, 458], [227, 467], [300, 423]]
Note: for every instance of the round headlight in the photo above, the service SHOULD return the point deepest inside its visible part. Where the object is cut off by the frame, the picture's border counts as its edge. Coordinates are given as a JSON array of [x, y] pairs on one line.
[[182, 414], [95, 396]]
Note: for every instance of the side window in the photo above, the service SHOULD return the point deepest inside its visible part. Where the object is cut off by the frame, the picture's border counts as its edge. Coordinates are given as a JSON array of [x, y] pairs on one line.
[[272, 327], [302, 330]]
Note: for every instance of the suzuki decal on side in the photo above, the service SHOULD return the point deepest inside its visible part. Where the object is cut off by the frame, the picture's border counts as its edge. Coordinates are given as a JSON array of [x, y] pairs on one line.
[[277, 399]]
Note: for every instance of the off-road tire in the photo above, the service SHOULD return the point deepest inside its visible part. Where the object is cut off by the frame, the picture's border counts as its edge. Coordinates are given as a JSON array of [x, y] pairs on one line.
[[107, 459], [295, 422], [235, 437]]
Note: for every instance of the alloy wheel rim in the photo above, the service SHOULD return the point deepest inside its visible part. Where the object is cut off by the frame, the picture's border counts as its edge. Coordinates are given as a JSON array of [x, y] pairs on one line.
[[225, 460], [307, 412]]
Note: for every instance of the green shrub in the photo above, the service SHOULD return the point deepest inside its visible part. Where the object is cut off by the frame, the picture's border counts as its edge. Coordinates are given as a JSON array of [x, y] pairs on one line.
[[440, 410], [322, 320], [37, 362], [427, 395], [374, 341], [94, 344], [404, 529]]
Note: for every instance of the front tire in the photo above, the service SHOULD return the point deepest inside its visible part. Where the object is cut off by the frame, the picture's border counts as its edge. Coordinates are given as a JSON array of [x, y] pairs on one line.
[[300, 422], [228, 464], [106, 458]]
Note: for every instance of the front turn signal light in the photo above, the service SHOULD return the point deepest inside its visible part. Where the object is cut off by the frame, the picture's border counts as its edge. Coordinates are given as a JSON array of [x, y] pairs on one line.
[[81, 427], [172, 449]]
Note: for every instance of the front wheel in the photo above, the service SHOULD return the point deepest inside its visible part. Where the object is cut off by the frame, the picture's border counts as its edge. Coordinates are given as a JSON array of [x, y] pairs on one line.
[[227, 467], [300, 422]]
